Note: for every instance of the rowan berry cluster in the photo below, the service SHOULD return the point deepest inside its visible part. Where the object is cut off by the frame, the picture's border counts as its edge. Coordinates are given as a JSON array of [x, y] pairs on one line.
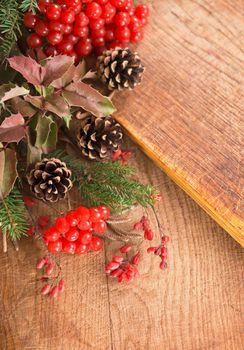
[[52, 285], [123, 269], [77, 27], [74, 233], [144, 224], [161, 251]]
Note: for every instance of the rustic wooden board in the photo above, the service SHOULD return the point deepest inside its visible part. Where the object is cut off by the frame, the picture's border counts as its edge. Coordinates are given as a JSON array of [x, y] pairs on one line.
[[197, 304], [188, 113]]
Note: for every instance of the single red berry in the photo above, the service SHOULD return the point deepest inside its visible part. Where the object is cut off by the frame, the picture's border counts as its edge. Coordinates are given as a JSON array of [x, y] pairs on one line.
[[102, 2], [148, 235], [162, 265], [93, 10], [112, 265], [98, 42], [77, 9], [122, 33], [56, 26], [96, 23], [29, 20], [119, 4], [68, 247], [54, 38], [129, 7], [109, 36], [67, 16], [49, 269], [108, 12], [118, 259], [41, 28], [81, 248], [95, 215], [122, 278], [137, 36], [72, 39], [40, 264], [84, 225], [138, 226], [42, 5], [81, 32], [165, 239], [98, 33], [151, 249], [82, 213], [66, 47], [54, 292], [116, 273], [83, 48], [122, 19], [104, 211], [51, 51], [45, 289], [126, 248], [142, 11], [115, 44], [34, 41], [30, 231], [99, 227], [52, 234], [144, 21], [164, 251], [85, 237], [158, 251], [81, 20], [62, 225], [136, 259], [53, 11], [55, 247], [68, 28], [61, 285], [43, 221], [72, 235], [71, 217], [96, 243], [71, 3], [135, 23]]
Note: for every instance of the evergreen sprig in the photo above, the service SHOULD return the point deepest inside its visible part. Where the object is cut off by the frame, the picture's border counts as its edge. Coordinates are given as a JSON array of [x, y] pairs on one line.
[[13, 215], [108, 183], [11, 13]]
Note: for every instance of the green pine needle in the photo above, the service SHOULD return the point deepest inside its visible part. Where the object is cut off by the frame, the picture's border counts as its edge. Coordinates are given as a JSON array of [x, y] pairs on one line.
[[13, 215], [110, 183]]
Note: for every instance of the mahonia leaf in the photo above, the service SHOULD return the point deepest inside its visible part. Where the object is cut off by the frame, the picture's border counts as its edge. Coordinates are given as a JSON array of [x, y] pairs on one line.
[[34, 154], [36, 101], [12, 128], [9, 91], [74, 73], [8, 171], [46, 134], [22, 106], [82, 95], [32, 71], [56, 67], [55, 103]]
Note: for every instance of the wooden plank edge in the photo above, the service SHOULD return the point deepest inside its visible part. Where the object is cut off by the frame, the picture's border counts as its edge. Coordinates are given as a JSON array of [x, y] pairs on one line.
[[226, 225]]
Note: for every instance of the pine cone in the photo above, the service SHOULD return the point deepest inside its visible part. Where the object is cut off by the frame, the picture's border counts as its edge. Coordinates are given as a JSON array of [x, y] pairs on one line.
[[100, 137], [120, 69], [50, 180]]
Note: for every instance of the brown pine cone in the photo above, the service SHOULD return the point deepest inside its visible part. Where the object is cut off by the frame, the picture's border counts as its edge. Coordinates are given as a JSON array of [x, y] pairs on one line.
[[50, 180], [99, 137], [120, 69]]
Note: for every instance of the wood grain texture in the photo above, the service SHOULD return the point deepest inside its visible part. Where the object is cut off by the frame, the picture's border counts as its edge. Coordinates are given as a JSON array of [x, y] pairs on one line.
[[188, 114], [196, 305]]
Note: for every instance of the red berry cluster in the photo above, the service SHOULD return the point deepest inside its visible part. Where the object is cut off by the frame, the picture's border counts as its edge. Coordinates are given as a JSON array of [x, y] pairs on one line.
[[76, 27], [161, 251], [52, 285], [144, 224], [74, 232], [121, 268]]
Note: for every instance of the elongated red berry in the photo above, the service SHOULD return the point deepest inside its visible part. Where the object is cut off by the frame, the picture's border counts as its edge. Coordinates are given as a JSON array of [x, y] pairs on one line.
[[61, 285], [54, 292], [151, 249], [116, 273], [138, 226], [149, 235], [126, 248], [112, 265], [49, 269], [40, 264], [136, 259], [45, 289], [118, 258], [122, 278]]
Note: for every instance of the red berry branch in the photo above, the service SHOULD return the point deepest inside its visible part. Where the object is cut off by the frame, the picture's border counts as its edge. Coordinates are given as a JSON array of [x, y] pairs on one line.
[[77, 27]]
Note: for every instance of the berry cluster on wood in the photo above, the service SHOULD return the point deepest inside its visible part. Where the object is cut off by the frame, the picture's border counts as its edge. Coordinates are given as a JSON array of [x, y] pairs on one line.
[[77, 27], [161, 251], [75, 233]]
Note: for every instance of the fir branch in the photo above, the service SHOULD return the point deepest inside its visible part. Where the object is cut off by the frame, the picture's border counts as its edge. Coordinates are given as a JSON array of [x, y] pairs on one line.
[[13, 216], [109, 183]]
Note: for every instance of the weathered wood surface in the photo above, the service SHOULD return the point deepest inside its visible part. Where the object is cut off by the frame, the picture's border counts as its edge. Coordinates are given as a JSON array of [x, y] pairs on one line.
[[188, 113], [197, 304]]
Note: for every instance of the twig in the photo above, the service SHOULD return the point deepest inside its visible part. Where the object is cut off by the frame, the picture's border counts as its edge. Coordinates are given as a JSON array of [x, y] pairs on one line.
[[15, 244], [5, 244]]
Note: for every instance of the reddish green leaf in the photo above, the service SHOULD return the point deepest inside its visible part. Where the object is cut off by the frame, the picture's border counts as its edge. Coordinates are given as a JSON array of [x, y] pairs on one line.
[[46, 134], [82, 95], [12, 128], [9, 91], [56, 67], [8, 171], [55, 103], [32, 71], [36, 101], [22, 106]]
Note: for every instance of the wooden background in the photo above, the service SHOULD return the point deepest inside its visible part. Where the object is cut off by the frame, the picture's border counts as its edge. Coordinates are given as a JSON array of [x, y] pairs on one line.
[[188, 113], [196, 304]]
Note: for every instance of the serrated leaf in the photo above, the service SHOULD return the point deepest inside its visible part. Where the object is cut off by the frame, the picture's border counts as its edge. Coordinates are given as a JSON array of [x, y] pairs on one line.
[[46, 134], [56, 67], [22, 106], [74, 73], [8, 171], [33, 154], [55, 103], [32, 71], [82, 95], [36, 101], [12, 128], [9, 91], [67, 120]]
